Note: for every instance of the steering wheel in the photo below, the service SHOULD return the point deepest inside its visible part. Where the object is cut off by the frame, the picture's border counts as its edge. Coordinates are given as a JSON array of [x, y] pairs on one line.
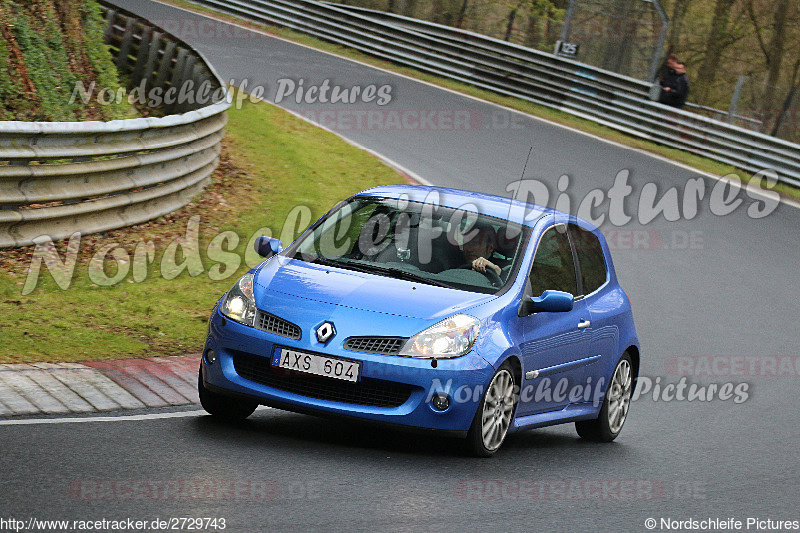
[[494, 279]]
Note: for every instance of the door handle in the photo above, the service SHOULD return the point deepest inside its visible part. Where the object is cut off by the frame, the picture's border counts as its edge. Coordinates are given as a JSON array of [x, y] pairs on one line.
[[584, 324]]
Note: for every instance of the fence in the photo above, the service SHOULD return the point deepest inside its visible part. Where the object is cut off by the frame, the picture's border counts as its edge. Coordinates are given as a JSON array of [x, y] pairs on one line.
[[62, 177], [611, 99]]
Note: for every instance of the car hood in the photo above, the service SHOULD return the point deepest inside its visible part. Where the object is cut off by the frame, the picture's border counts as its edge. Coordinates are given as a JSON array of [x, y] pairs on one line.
[[363, 291]]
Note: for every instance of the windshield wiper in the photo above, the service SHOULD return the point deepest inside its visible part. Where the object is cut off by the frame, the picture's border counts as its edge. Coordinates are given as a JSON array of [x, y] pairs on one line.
[[398, 273], [319, 260], [371, 268]]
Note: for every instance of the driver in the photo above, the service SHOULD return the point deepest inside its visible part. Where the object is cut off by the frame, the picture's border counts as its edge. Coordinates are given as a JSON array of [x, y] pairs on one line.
[[478, 250]]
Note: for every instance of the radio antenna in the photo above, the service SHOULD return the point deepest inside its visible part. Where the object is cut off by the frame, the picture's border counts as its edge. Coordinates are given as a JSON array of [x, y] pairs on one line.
[[526, 163]]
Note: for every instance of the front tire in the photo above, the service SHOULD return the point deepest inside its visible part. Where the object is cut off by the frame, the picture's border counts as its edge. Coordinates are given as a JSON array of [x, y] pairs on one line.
[[494, 415], [614, 411], [223, 407]]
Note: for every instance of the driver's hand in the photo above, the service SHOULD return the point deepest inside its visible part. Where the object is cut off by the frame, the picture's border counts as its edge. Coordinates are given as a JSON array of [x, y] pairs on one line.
[[481, 263]]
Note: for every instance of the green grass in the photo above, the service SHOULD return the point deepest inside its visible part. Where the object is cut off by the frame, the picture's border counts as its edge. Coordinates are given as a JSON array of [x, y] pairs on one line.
[[286, 162], [546, 113]]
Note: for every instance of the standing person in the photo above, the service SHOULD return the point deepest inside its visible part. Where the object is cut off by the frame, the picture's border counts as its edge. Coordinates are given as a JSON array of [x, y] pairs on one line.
[[668, 64], [674, 83]]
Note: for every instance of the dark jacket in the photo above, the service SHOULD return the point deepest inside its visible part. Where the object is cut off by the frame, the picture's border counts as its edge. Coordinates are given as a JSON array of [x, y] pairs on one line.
[[679, 88]]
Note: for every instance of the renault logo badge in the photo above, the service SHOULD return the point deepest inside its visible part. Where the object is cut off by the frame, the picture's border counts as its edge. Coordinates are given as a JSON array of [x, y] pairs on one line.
[[325, 332]]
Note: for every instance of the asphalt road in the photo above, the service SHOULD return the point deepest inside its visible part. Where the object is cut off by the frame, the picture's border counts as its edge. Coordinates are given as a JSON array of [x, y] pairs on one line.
[[711, 286]]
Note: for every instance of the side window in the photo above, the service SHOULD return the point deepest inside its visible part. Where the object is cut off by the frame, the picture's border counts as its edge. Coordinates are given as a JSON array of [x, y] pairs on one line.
[[553, 266], [590, 258]]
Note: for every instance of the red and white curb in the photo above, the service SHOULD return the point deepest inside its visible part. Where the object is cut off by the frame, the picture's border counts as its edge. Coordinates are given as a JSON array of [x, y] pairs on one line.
[[62, 388]]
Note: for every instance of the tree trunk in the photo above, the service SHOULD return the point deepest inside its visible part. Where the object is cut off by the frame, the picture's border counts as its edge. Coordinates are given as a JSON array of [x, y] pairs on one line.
[[676, 24], [716, 42], [437, 8], [533, 33], [510, 27], [462, 13], [410, 8], [776, 50], [618, 51], [787, 103]]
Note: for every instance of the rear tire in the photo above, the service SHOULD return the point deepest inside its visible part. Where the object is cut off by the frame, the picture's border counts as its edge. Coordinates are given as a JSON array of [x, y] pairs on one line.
[[614, 411], [223, 407], [494, 415]]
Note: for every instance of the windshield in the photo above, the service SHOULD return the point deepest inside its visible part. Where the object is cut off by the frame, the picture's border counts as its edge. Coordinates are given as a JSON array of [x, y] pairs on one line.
[[418, 242]]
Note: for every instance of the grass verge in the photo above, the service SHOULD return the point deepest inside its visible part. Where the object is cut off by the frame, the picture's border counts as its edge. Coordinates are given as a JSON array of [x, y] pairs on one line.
[[540, 111], [272, 162]]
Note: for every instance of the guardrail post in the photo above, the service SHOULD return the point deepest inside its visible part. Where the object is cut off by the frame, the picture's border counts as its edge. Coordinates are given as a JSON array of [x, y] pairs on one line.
[[177, 79], [152, 61], [662, 37], [737, 93], [165, 64], [125, 45], [566, 28], [187, 78], [141, 57], [110, 16]]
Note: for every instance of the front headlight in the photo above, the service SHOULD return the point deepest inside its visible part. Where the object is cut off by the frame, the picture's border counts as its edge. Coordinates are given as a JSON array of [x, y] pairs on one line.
[[239, 304], [452, 337]]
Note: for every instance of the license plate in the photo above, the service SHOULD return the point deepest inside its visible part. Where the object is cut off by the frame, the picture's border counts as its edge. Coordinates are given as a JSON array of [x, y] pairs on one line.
[[318, 365]]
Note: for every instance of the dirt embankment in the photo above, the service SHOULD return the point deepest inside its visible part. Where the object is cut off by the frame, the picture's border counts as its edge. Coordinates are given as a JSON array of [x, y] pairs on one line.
[[48, 48]]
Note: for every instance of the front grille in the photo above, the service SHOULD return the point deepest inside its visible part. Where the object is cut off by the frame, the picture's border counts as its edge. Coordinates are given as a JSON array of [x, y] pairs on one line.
[[276, 325], [374, 392], [381, 345]]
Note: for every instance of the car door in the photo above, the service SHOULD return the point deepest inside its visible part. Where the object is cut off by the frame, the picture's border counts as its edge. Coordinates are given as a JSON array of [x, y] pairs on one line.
[[600, 299], [555, 344]]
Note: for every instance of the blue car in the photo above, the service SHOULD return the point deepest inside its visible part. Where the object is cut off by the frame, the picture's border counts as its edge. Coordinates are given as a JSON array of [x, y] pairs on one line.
[[434, 309]]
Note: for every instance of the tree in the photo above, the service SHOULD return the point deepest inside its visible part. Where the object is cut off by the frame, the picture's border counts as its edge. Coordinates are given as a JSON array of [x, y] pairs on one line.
[[788, 101], [775, 49], [462, 13], [719, 37], [676, 24], [510, 25], [410, 8], [618, 51], [538, 10]]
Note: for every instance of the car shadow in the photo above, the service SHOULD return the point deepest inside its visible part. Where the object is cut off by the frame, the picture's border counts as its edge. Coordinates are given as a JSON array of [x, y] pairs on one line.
[[277, 429]]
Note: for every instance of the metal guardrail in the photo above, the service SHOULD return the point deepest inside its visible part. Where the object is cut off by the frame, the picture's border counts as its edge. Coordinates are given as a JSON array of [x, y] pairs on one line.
[[634, 87], [57, 178], [613, 100], [720, 114]]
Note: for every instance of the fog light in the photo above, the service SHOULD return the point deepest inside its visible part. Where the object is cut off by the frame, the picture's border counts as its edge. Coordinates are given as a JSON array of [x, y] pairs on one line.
[[441, 402], [211, 357]]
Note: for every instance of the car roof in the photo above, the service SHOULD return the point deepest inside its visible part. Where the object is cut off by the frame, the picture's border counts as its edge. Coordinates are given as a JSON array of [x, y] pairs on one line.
[[487, 204]]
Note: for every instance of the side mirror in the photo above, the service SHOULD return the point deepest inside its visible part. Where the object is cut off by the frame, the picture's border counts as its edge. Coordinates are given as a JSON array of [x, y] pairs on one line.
[[552, 302], [268, 246]]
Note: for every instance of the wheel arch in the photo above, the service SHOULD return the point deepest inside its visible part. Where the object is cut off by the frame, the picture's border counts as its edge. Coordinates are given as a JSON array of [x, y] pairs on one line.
[[633, 352], [516, 365]]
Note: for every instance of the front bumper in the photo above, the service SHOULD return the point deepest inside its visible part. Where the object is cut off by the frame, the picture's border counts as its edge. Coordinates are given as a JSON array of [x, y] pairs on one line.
[[392, 389]]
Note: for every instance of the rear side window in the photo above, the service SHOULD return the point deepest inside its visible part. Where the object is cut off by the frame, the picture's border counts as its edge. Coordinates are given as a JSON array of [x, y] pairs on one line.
[[553, 266], [590, 258]]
